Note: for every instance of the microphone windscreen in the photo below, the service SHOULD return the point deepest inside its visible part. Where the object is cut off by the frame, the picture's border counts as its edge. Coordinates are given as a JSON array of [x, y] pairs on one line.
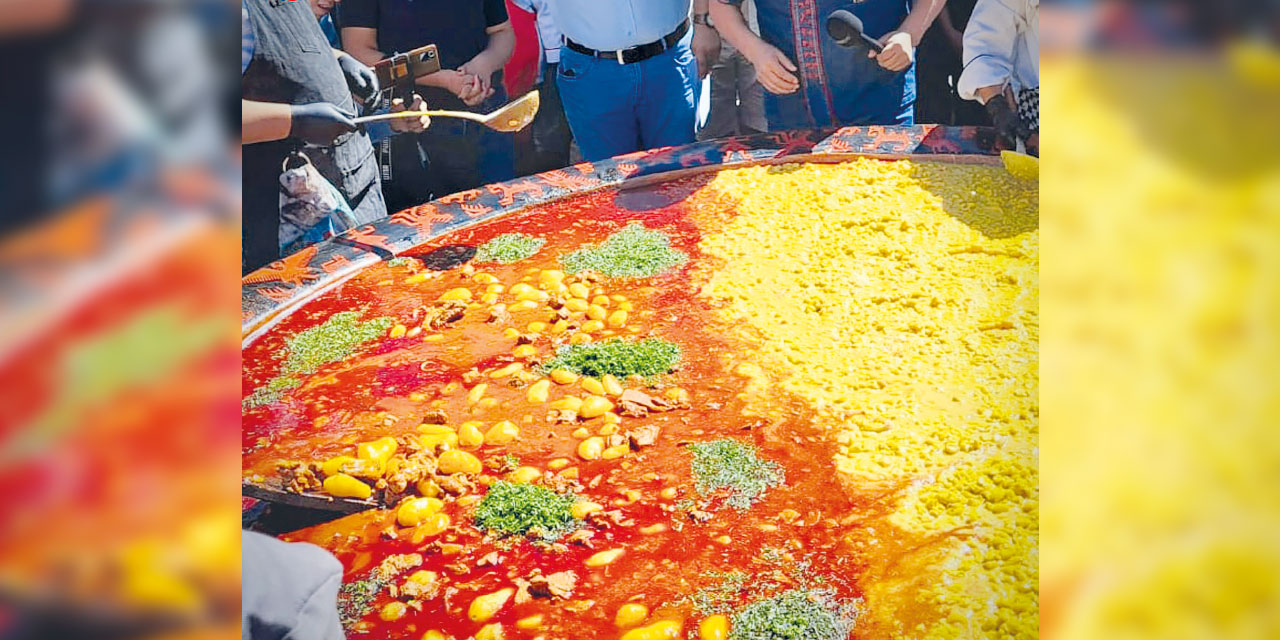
[[844, 27]]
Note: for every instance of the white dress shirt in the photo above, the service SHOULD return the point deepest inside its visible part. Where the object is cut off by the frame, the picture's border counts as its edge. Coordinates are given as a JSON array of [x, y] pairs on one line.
[[1001, 46], [548, 32]]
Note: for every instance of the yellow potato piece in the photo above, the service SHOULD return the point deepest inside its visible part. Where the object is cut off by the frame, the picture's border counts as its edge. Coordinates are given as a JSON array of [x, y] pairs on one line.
[[660, 630], [413, 511], [486, 606], [630, 615], [594, 406], [603, 558], [714, 627], [345, 486], [455, 461], [504, 432]]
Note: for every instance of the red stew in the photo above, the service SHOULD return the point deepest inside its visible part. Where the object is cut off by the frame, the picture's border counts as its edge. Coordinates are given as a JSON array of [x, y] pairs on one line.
[[816, 525]]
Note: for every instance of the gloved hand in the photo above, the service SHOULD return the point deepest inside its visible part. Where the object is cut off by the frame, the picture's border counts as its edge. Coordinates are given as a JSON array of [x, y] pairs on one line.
[[361, 79], [318, 123], [1009, 127]]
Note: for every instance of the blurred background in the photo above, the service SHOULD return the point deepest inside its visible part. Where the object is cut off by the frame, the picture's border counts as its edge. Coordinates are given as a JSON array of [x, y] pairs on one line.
[[119, 322], [1160, 304]]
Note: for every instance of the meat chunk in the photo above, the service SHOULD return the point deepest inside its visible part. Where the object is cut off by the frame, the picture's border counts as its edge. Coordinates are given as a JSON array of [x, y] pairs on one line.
[[637, 404], [457, 484], [557, 585], [562, 416], [419, 589], [581, 537], [498, 314], [606, 519], [299, 476], [437, 315], [397, 564], [643, 435], [522, 591], [407, 473], [435, 416]]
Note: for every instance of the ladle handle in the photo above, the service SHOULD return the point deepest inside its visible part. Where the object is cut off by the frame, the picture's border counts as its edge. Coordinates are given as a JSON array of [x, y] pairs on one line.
[[415, 114]]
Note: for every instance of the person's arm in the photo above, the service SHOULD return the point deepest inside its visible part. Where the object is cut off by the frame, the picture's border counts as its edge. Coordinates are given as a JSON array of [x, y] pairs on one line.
[[263, 121], [360, 77], [318, 122], [706, 40], [502, 42], [900, 46], [953, 35], [362, 44], [775, 72], [989, 42], [360, 19]]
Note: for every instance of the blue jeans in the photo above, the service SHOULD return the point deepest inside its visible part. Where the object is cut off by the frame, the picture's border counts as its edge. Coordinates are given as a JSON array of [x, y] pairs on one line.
[[615, 109]]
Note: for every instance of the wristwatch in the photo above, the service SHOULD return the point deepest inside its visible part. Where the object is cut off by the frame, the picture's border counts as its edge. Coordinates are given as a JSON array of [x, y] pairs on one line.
[[703, 19]]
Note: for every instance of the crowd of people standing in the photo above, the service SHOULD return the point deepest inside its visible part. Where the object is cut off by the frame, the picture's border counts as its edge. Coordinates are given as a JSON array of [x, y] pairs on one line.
[[615, 76]]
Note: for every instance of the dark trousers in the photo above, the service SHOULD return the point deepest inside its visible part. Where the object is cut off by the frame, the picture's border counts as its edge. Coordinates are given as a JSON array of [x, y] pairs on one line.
[[463, 155], [547, 146]]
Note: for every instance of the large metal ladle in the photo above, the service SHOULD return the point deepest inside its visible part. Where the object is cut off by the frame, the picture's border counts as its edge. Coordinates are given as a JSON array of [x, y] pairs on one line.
[[508, 118]]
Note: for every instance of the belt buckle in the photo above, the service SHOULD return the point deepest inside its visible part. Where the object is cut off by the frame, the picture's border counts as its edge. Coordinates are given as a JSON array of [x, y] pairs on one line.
[[622, 59]]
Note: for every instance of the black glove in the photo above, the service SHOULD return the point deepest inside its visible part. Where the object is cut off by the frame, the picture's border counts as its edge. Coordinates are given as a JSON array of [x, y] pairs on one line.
[[361, 80], [319, 123], [1009, 126]]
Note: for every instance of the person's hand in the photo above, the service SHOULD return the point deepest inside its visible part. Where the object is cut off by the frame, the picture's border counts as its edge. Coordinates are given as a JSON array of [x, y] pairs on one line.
[[463, 85], [410, 125], [706, 48], [899, 52], [474, 91], [776, 73], [361, 80], [482, 71], [318, 123], [1009, 127]]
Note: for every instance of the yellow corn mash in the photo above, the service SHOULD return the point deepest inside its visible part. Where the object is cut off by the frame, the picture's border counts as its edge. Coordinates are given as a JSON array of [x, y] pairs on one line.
[[900, 298]]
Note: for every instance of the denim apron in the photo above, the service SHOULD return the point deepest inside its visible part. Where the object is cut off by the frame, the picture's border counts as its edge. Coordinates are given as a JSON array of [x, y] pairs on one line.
[[838, 86], [293, 64]]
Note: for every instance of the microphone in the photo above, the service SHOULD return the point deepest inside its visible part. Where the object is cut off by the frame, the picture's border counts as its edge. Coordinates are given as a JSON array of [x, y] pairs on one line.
[[846, 29]]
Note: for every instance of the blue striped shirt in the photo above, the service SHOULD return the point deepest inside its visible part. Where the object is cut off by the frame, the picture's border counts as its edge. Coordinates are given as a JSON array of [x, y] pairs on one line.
[[246, 38]]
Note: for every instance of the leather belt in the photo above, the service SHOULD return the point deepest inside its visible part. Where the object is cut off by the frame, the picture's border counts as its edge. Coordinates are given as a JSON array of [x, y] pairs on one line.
[[637, 53]]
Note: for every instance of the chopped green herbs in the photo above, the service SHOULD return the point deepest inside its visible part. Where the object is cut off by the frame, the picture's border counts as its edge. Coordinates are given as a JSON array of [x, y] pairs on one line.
[[508, 248], [734, 466], [618, 357], [525, 509], [798, 614], [402, 261], [633, 252], [722, 596], [334, 340], [356, 598]]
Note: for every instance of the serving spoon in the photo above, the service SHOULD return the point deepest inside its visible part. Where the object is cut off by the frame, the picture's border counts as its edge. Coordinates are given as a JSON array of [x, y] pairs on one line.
[[513, 116]]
